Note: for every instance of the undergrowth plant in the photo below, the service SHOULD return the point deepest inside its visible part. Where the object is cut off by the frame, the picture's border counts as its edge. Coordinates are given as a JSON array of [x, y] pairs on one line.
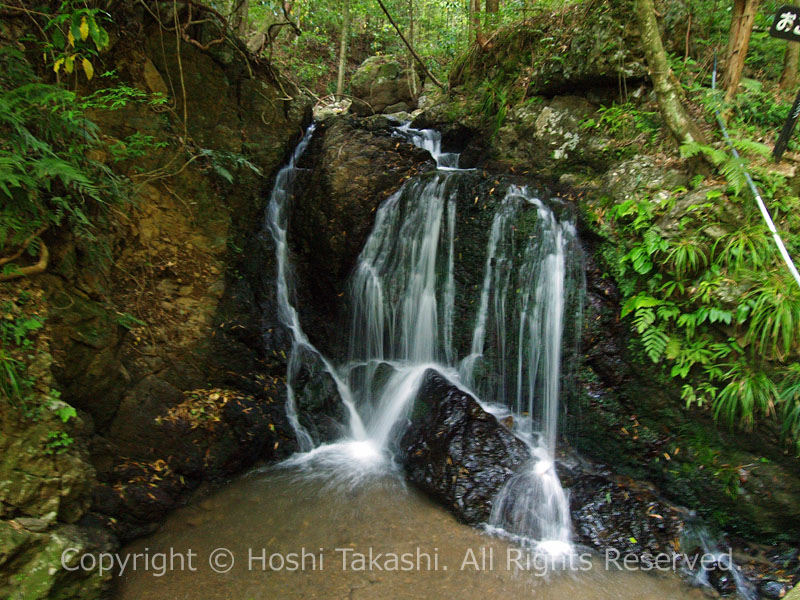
[[50, 178], [722, 314]]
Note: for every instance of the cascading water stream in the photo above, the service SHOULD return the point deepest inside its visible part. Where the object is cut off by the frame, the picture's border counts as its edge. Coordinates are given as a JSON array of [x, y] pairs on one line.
[[402, 295], [277, 222]]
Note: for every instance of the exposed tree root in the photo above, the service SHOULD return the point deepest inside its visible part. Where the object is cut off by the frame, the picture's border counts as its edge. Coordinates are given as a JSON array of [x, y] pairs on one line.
[[39, 267]]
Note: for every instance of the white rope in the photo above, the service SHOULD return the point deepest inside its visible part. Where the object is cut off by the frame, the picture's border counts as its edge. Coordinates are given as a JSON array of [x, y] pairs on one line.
[[761, 206]]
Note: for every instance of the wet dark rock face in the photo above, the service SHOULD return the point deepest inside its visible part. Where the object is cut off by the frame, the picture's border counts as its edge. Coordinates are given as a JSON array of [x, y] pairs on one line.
[[319, 406], [353, 166], [211, 435], [457, 452], [611, 513]]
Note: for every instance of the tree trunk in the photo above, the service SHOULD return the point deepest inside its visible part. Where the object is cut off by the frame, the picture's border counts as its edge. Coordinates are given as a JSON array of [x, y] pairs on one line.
[[669, 99], [412, 72], [744, 14], [343, 48], [421, 63], [240, 18], [490, 20], [475, 19], [790, 60]]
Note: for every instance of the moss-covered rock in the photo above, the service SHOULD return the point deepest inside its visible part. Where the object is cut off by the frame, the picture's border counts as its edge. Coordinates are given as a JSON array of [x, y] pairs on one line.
[[583, 45], [548, 136], [384, 84], [44, 566]]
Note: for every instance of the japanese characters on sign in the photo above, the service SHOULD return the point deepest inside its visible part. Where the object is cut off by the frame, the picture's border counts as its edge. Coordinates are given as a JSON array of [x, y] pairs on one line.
[[786, 24]]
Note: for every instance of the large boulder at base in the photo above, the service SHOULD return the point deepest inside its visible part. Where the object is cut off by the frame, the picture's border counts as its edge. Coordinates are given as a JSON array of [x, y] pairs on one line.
[[211, 435], [382, 82], [456, 451]]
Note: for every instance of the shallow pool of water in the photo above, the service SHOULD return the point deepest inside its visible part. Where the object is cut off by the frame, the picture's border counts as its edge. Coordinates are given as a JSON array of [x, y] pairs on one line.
[[294, 537]]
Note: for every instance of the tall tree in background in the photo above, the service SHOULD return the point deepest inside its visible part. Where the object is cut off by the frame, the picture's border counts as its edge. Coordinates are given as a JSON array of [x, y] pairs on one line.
[[241, 10], [744, 14], [683, 128], [474, 21], [343, 47], [412, 74], [492, 8], [790, 60]]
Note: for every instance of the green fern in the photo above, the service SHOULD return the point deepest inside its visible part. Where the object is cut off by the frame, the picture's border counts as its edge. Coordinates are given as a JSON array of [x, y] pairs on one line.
[[774, 316], [790, 400], [729, 166], [686, 257], [46, 178], [747, 247], [655, 343], [749, 393]]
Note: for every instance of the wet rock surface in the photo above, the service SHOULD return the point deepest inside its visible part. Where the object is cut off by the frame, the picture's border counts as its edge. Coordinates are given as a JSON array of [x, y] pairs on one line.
[[619, 514], [320, 408], [617, 517], [456, 452], [353, 166], [210, 436]]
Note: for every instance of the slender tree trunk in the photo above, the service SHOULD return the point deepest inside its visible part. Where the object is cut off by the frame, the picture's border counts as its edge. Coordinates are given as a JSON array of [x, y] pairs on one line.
[[412, 72], [343, 47], [683, 128], [744, 14], [410, 48], [240, 19], [490, 19], [475, 19], [790, 60]]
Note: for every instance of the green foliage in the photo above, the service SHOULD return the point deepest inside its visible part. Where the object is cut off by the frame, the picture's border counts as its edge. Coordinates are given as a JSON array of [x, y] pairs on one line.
[[223, 162], [134, 146], [58, 442], [47, 175], [724, 317], [789, 392], [494, 101], [686, 257], [16, 387], [774, 316], [626, 121], [75, 36], [749, 392]]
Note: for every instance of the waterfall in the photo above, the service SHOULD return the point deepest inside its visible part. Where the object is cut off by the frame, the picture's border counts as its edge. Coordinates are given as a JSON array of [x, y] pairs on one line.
[[402, 296], [277, 223]]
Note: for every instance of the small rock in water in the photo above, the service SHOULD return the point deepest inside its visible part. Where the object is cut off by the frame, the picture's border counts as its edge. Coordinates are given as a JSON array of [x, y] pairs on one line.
[[771, 589], [722, 580]]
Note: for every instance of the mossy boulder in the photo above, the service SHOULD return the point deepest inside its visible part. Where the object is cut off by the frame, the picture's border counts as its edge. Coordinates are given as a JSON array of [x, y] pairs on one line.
[[585, 45], [384, 84], [45, 566], [548, 136]]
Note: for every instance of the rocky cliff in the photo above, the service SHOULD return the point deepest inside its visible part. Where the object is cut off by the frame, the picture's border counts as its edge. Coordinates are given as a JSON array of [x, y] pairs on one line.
[[153, 330]]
